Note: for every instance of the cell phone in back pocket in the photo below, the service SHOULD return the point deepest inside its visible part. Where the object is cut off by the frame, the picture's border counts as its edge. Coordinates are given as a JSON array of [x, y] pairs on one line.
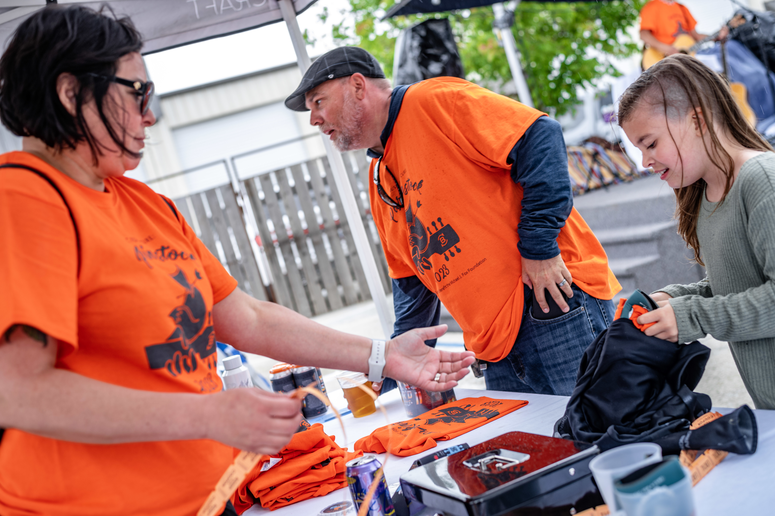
[[554, 309]]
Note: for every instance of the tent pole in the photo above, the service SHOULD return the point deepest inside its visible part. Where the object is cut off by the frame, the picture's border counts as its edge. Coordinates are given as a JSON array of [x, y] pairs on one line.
[[510, 47], [343, 186], [299, 45]]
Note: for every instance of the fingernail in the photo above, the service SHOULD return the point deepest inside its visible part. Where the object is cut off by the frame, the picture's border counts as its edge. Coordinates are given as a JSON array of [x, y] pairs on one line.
[[546, 310], [565, 310]]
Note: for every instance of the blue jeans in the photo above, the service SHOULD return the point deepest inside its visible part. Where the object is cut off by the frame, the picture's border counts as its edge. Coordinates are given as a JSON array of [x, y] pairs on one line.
[[546, 355]]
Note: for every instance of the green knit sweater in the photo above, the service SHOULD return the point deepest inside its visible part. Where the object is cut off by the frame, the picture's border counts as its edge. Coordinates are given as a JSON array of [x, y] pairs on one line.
[[736, 300]]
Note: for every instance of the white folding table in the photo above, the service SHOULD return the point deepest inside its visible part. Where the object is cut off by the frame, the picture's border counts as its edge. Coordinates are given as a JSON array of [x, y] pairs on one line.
[[741, 484]]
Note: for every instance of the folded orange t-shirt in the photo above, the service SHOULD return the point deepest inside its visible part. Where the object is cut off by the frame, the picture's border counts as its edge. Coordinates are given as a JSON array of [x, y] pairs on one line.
[[440, 424], [311, 465], [317, 481]]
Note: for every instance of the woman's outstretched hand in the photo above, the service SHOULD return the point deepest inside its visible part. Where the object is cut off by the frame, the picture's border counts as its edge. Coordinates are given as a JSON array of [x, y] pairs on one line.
[[409, 360]]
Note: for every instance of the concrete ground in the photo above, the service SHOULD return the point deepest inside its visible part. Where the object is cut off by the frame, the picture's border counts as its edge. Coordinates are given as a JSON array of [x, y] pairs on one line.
[[721, 380]]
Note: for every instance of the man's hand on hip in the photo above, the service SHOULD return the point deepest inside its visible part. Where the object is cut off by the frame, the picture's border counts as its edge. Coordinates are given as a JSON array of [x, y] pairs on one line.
[[548, 275]]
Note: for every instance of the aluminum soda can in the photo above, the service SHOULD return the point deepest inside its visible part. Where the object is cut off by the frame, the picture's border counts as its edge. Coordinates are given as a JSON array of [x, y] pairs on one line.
[[281, 378], [360, 476], [322, 383], [418, 401], [305, 376]]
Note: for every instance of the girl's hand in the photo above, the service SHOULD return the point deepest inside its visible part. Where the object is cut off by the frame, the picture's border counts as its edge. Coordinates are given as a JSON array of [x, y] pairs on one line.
[[660, 296], [666, 326]]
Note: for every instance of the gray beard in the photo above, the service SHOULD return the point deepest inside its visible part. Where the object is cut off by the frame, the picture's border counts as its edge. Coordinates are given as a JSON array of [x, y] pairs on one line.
[[343, 142]]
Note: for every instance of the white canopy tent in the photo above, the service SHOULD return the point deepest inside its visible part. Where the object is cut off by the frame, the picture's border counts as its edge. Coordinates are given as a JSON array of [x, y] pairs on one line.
[[167, 24]]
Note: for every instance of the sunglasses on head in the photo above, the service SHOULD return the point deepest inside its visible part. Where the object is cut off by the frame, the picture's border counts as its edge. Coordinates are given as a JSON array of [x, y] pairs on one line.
[[144, 90], [381, 191]]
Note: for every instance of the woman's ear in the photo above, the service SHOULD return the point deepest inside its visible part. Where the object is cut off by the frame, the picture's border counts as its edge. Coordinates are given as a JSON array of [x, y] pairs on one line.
[[67, 90]]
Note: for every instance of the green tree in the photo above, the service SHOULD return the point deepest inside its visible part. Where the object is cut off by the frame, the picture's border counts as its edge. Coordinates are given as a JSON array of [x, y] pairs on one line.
[[563, 45]]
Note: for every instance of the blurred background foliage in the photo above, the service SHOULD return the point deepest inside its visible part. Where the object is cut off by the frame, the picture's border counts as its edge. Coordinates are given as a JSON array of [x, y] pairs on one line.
[[563, 46]]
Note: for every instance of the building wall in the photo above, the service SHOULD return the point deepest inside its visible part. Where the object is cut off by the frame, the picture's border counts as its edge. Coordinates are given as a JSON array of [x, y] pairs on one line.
[[9, 142], [219, 121]]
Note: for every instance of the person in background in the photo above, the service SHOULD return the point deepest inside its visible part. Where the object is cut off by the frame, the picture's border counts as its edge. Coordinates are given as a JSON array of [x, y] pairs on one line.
[[682, 117], [110, 305], [472, 200], [662, 21]]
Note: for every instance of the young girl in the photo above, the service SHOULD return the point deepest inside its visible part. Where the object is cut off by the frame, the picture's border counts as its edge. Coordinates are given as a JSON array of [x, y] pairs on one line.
[[681, 115]]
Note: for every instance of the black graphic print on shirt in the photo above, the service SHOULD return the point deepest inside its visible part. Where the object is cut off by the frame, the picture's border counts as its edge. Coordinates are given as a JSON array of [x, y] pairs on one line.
[[192, 344], [425, 242], [459, 415]]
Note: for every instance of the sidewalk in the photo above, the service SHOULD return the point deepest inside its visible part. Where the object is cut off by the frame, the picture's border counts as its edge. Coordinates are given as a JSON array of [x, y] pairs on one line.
[[721, 380]]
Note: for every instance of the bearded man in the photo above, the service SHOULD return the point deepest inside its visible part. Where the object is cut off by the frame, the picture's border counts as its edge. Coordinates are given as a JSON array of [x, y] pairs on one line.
[[472, 200]]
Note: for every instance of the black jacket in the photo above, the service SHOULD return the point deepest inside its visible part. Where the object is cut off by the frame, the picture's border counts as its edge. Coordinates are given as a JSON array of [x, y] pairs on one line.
[[635, 388]]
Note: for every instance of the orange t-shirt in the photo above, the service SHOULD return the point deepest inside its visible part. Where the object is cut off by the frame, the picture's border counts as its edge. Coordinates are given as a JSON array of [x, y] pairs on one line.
[[443, 423], [666, 22], [139, 315], [311, 465], [458, 230]]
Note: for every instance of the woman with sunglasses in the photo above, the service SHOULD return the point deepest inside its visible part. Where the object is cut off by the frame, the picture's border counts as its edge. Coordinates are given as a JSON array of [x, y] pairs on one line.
[[109, 303]]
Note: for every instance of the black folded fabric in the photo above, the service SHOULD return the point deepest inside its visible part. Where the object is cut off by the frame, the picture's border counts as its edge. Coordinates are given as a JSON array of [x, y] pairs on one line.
[[635, 388], [736, 433]]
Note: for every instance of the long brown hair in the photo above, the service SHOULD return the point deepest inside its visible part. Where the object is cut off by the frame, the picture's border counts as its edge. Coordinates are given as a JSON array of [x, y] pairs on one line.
[[678, 85]]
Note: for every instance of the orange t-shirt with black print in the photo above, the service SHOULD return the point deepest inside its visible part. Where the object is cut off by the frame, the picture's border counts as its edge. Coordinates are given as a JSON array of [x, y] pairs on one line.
[[138, 315], [309, 466], [666, 21], [458, 230], [420, 434]]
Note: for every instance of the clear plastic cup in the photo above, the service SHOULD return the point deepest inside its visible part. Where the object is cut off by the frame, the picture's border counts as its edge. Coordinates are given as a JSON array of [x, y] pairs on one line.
[[664, 488], [360, 403], [614, 464]]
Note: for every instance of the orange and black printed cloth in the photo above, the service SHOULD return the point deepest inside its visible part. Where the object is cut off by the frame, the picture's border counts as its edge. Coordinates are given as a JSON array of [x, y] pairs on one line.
[[635, 312], [440, 424], [311, 465], [632, 307]]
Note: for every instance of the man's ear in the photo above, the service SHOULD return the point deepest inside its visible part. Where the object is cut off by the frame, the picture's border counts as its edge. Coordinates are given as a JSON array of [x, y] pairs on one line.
[[67, 90], [358, 84]]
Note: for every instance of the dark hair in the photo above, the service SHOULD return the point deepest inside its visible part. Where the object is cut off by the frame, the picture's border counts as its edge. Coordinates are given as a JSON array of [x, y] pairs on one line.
[[675, 86], [53, 41]]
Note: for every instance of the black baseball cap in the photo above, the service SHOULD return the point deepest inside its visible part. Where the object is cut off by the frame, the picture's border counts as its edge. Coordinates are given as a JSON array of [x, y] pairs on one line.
[[340, 62]]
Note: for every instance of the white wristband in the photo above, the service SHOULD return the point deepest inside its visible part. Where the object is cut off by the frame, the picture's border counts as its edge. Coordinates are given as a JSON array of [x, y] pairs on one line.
[[377, 360]]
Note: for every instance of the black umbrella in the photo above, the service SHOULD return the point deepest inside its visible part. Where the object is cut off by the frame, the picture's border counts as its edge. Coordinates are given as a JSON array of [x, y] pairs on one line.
[[405, 7]]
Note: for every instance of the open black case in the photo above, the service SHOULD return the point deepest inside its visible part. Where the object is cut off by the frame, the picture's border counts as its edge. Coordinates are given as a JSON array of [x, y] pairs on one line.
[[514, 474]]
